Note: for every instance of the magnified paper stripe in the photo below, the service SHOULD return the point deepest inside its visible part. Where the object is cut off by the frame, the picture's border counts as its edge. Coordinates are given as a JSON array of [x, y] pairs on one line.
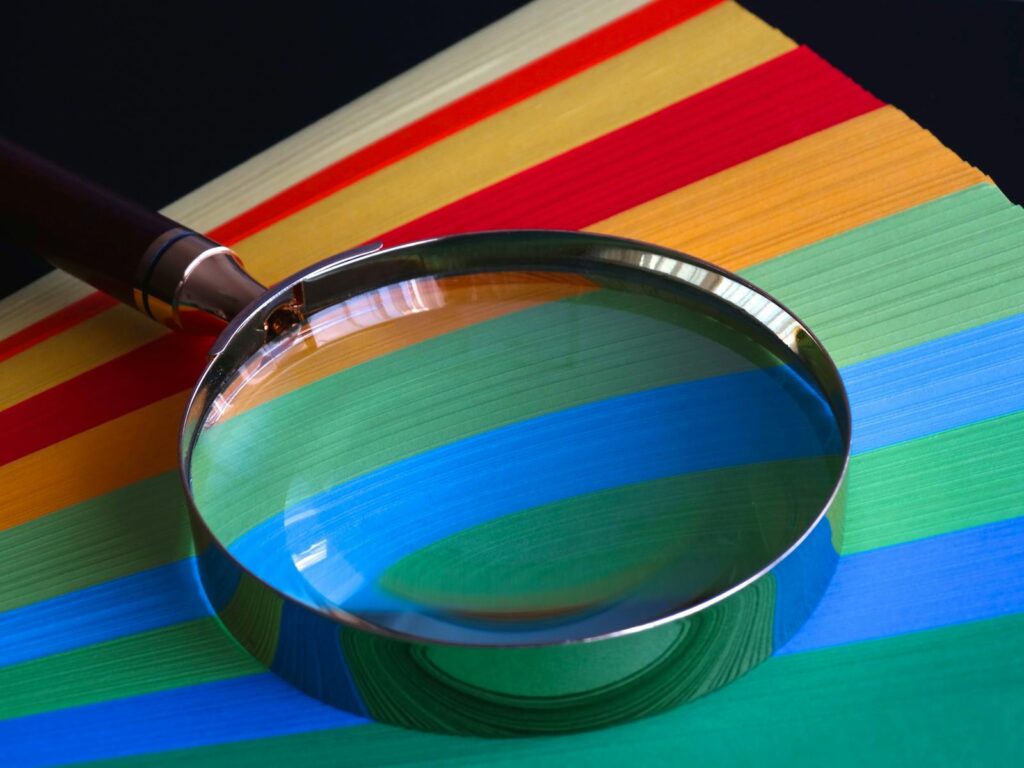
[[448, 388], [627, 440]]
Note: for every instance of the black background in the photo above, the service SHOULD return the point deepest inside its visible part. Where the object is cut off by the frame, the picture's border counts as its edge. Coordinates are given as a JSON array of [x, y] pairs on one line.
[[152, 99]]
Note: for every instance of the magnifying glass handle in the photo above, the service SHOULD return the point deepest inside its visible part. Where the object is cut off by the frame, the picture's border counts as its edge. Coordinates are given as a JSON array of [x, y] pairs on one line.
[[171, 273]]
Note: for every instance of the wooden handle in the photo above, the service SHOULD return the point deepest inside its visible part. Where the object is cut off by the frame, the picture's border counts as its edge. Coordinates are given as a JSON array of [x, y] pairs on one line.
[[77, 226]]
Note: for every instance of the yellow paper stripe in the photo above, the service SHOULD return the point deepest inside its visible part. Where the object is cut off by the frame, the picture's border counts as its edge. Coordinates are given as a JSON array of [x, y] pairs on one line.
[[133, 447], [40, 299], [713, 46], [850, 174], [82, 347]]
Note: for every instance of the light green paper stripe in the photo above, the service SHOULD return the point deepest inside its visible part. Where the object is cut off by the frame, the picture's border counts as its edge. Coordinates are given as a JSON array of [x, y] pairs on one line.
[[949, 696], [944, 482], [931, 271], [132, 529], [171, 657]]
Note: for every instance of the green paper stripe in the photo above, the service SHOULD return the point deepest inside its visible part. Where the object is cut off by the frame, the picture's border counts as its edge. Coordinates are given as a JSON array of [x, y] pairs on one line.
[[949, 696], [944, 482], [134, 528], [171, 657], [931, 271]]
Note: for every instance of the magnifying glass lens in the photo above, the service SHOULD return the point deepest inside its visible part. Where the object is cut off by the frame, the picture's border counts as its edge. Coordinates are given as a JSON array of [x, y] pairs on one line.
[[504, 457]]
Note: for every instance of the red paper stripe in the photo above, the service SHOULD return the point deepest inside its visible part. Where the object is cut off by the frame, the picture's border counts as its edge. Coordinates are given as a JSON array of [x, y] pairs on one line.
[[152, 372], [766, 107], [599, 45], [53, 324], [783, 100]]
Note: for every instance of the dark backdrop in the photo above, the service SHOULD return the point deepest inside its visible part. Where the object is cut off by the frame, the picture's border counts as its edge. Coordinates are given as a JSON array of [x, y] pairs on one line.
[[153, 99]]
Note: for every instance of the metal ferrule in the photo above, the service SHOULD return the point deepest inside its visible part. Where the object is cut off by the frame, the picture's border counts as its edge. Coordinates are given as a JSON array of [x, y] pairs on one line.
[[191, 283]]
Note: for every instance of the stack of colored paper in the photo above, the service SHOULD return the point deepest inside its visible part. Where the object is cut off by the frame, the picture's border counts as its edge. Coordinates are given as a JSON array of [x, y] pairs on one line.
[[689, 123]]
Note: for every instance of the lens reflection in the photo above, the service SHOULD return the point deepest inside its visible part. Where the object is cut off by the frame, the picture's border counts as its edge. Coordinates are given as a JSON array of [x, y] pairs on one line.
[[513, 457]]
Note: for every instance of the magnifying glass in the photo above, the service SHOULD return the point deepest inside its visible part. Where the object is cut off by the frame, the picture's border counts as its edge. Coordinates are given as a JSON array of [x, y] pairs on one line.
[[496, 483]]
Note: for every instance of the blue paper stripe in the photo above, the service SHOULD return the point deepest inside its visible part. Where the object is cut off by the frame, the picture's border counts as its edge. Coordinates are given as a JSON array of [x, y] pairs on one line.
[[952, 578], [249, 707], [147, 600], [943, 384]]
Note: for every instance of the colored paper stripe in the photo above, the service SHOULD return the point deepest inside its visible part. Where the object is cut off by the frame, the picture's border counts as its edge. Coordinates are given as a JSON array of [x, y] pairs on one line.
[[249, 707], [113, 455], [168, 657], [111, 536], [942, 384], [38, 300], [105, 336], [713, 46], [538, 75], [840, 178], [159, 369], [957, 577], [143, 601], [928, 272], [965, 477], [51, 325]]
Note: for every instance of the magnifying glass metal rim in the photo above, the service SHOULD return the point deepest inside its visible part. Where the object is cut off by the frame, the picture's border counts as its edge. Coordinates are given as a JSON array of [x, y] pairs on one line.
[[358, 271]]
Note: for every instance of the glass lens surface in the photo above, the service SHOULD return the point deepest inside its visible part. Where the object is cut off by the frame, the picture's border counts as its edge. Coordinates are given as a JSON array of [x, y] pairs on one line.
[[506, 456]]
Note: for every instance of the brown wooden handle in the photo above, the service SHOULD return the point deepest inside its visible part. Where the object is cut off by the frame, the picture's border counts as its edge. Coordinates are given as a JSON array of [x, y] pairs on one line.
[[77, 226]]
